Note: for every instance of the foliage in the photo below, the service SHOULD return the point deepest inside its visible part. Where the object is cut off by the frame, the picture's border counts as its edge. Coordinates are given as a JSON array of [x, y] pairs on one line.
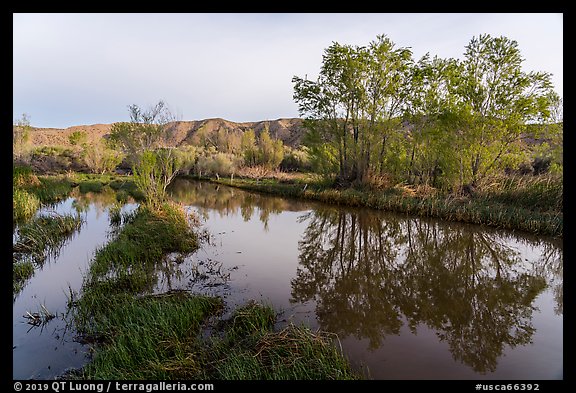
[[78, 138], [24, 204], [152, 174], [37, 240], [296, 159], [355, 105], [145, 142], [249, 150], [21, 137], [217, 164], [440, 122], [265, 151], [100, 158]]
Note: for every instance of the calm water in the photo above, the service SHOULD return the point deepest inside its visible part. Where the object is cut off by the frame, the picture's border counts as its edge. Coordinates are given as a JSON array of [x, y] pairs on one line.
[[409, 298]]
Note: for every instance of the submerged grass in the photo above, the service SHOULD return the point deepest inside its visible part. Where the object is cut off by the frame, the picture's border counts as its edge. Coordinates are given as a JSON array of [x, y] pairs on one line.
[[532, 205]]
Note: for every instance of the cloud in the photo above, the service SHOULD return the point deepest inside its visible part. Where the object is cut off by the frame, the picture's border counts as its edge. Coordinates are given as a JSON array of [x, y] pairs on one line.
[[86, 68]]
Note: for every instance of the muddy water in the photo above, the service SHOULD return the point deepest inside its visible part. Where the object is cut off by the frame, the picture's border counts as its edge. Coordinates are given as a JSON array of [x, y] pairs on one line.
[[409, 298]]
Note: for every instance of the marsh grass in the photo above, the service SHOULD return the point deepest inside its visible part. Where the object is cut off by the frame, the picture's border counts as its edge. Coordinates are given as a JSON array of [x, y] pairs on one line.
[[44, 235], [533, 204], [161, 337], [149, 337], [21, 271], [24, 205], [541, 193], [125, 186], [115, 215], [250, 348], [39, 239]]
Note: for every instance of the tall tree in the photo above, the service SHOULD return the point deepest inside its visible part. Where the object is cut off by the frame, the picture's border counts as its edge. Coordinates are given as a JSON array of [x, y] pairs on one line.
[[355, 105], [429, 137], [499, 100], [145, 140], [148, 129]]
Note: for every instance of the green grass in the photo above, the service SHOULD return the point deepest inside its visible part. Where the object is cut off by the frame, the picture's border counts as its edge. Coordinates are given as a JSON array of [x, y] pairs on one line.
[[161, 337], [51, 189], [21, 271], [37, 240], [251, 349], [90, 186], [533, 205], [24, 205], [150, 337]]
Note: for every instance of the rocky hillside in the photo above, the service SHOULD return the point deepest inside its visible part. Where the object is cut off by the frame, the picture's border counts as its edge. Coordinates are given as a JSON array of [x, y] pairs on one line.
[[290, 131]]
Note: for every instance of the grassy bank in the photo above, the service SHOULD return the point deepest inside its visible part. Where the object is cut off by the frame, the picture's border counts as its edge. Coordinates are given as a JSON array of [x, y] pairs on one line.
[[42, 236], [30, 191], [140, 335], [528, 204], [38, 239]]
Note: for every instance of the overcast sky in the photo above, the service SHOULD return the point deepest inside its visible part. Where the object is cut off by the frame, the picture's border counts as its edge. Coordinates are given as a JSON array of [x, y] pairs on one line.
[[78, 69]]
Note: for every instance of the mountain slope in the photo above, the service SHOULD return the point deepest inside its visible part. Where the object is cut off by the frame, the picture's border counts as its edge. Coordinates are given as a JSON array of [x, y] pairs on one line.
[[290, 131]]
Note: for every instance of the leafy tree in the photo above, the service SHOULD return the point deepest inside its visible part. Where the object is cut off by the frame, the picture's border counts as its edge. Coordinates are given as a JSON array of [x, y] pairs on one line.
[[145, 140], [78, 138], [498, 100], [147, 130], [100, 158], [354, 107], [270, 152], [249, 149], [438, 121], [429, 137], [21, 136]]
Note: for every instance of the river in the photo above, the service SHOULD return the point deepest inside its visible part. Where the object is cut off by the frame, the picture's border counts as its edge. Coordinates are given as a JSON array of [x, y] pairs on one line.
[[408, 297]]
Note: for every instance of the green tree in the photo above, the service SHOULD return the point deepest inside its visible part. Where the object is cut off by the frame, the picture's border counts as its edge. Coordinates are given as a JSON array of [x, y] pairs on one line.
[[78, 138], [21, 137], [145, 140], [354, 107], [100, 158], [498, 100], [249, 148], [270, 151], [147, 130], [430, 137]]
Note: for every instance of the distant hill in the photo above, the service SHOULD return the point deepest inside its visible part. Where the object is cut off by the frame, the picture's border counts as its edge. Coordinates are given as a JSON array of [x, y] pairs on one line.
[[290, 131]]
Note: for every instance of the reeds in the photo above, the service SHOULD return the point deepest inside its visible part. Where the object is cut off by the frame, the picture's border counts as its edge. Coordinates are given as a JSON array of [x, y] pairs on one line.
[[37, 240], [533, 204], [24, 205]]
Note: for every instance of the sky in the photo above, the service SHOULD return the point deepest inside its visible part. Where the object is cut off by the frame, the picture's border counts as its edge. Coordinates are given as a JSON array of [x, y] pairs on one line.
[[81, 69]]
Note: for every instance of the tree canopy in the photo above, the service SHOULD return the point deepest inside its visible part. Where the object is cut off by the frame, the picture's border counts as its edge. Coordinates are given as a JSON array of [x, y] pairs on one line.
[[375, 111]]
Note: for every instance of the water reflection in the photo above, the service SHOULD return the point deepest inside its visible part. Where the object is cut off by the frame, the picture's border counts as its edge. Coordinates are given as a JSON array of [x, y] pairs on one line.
[[369, 276], [229, 201]]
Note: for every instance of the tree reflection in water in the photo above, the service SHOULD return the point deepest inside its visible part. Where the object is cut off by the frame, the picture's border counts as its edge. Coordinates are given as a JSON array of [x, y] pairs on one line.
[[368, 275], [372, 273]]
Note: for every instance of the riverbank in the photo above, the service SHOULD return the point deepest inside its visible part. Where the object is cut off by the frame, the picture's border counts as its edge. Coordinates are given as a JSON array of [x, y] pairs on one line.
[[531, 205]]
